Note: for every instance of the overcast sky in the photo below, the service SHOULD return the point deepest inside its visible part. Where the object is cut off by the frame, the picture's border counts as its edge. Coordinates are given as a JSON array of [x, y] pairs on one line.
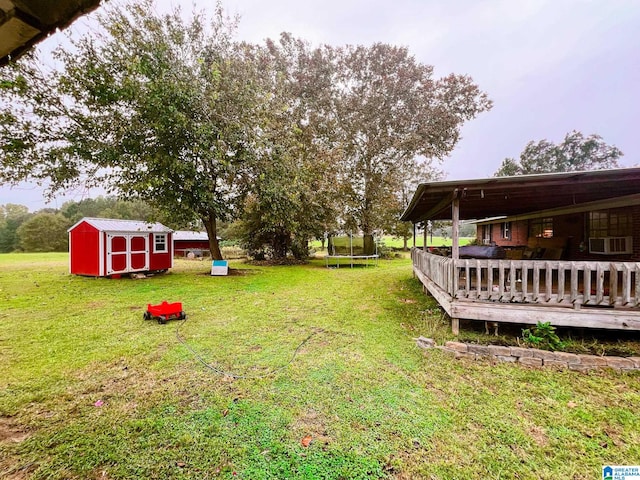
[[550, 66]]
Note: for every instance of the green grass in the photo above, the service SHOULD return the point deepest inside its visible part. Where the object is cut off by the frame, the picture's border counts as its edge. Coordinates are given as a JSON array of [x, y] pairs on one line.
[[397, 243], [374, 405], [431, 241]]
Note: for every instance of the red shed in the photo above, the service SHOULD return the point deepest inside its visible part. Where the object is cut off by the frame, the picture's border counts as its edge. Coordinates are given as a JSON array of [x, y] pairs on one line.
[[102, 247], [185, 242]]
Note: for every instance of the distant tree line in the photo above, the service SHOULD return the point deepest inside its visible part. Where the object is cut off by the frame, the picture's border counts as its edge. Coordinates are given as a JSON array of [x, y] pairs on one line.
[[46, 230]]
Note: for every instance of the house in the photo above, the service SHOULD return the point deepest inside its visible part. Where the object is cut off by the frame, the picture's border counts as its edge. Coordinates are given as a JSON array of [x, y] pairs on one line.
[[103, 247], [571, 241], [185, 242]]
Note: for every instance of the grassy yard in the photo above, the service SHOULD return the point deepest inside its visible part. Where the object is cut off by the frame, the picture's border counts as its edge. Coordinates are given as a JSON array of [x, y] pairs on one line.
[[397, 243], [431, 241], [90, 390]]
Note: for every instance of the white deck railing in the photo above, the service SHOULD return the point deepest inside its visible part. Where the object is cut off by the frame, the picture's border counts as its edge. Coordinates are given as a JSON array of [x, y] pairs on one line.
[[555, 282]]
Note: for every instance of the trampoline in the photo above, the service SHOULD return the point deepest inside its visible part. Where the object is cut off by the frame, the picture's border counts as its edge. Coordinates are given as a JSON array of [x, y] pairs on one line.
[[350, 250]]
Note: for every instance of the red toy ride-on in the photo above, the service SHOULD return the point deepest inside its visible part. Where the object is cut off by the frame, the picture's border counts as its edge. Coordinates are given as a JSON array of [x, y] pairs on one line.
[[165, 311]]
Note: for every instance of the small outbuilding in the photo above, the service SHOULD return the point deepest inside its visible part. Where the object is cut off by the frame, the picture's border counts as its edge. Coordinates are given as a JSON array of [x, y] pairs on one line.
[[103, 247], [186, 242]]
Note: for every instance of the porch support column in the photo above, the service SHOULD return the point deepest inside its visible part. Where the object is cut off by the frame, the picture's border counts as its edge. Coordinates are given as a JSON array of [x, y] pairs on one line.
[[414, 235], [424, 235], [455, 252], [455, 229]]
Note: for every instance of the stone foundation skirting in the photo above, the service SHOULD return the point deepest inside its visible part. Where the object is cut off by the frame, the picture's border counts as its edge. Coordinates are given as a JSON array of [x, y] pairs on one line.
[[533, 357]]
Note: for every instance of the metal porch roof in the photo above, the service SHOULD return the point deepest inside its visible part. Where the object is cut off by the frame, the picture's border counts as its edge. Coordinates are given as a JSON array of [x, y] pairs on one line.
[[509, 196], [187, 235]]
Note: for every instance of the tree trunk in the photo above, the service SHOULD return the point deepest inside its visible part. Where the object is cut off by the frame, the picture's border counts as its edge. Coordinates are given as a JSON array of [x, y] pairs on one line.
[[212, 232], [406, 244], [369, 247], [280, 245]]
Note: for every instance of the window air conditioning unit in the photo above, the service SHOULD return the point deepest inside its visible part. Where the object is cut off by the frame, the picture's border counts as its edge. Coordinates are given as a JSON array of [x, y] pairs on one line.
[[611, 245], [486, 241]]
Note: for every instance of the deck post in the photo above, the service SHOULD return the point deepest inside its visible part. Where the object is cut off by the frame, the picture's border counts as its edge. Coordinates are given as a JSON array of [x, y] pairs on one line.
[[455, 230], [424, 236], [455, 326], [414, 235]]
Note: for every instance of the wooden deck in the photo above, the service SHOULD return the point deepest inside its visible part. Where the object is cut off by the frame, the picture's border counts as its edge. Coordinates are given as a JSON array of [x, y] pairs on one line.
[[566, 293]]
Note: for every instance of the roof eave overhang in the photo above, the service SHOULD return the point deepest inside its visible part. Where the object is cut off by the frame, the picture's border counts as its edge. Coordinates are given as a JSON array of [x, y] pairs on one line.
[[618, 202], [30, 22], [519, 195]]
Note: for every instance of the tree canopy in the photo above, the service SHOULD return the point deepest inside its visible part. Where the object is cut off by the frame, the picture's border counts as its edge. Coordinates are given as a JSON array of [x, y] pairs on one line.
[[392, 116], [575, 153], [11, 217], [44, 232], [292, 139]]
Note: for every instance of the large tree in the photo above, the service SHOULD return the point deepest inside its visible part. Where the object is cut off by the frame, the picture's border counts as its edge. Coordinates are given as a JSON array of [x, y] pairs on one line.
[[293, 192], [44, 232], [413, 175], [12, 216], [391, 114], [362, 119], [575, 153], [152, 106]]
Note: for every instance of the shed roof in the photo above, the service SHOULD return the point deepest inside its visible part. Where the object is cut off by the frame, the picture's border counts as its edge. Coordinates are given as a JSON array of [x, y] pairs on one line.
[[523, 194], [186, 235], [117, 225], [23, 23]]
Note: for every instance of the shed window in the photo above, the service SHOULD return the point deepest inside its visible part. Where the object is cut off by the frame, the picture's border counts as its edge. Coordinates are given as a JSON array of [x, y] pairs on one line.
[[160, 242]]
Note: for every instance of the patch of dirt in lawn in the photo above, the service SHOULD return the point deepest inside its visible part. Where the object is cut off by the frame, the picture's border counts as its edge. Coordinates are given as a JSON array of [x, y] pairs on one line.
[[11, 432], [126, 388], [311, 424], [11, 471], [538, 435], [96, 305]]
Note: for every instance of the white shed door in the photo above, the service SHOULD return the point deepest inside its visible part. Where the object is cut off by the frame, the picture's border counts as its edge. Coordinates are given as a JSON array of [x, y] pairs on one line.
[[127, 253]]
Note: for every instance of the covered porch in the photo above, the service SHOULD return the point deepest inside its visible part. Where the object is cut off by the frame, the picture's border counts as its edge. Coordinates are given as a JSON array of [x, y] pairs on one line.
[[597, 292]]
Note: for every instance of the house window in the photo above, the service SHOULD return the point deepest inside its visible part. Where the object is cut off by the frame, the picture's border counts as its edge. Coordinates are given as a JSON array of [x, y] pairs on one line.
[[541, 227], [610, 223], [160, 242], [505, 230]]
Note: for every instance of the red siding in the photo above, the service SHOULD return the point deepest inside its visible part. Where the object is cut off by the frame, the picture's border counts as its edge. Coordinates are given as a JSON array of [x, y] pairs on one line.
[[181, 245], [84, 250], [519, 231], [86, 256], [161, 260]]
